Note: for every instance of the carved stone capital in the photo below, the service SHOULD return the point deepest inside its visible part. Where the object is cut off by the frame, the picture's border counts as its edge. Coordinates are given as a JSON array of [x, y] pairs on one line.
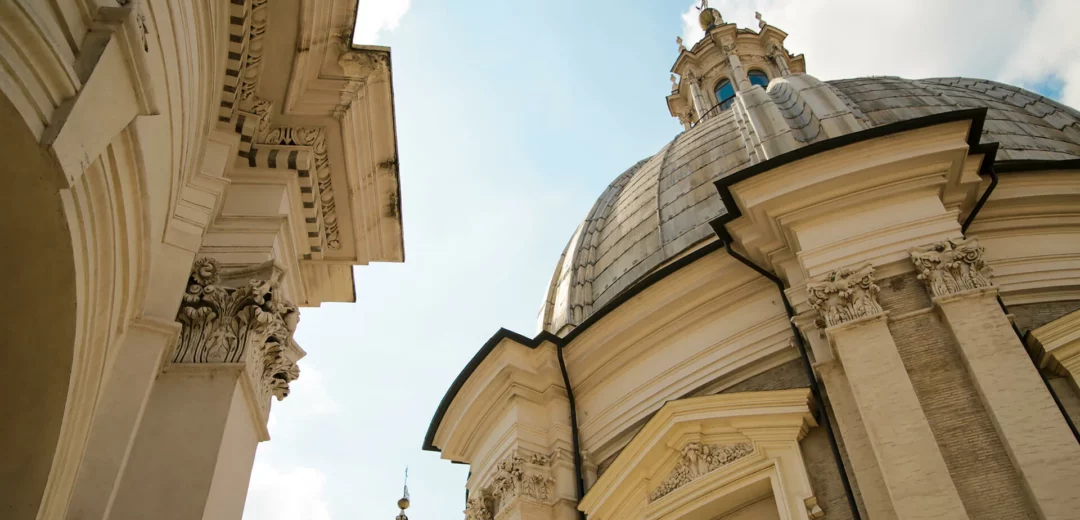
[[476, 508], [845, 295], [518, 476], [251, 326], [698, 459], [952, 266]]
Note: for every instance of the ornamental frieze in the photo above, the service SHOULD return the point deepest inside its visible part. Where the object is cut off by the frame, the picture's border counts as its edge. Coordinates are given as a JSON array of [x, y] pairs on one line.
[[845, 295], [250, 325], [698, 459], [952, 266]]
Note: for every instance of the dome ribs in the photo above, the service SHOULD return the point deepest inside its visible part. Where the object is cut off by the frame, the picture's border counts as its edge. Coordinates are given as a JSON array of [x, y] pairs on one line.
[[662, 205]]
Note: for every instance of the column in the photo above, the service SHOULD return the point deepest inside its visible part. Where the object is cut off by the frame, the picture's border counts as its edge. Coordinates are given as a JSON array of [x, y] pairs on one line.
[[1030, 425], [207, 411], [700, 106], [907, 453]]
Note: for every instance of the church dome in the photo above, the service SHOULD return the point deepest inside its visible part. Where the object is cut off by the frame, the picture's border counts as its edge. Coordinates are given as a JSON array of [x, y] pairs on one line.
[[659, 209]]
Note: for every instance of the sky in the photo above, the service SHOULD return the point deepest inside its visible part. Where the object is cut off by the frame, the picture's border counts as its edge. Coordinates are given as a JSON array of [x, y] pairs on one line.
[[512, 117]]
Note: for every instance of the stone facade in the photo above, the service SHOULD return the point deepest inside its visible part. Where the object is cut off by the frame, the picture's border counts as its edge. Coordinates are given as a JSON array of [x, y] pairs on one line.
[[679, 360], [187, 185]]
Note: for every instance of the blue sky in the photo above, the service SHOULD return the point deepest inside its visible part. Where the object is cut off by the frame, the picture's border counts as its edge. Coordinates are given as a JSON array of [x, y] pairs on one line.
[[512, 118]]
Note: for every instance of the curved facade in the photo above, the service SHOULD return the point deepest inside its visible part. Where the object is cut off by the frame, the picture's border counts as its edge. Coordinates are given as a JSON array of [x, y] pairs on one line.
[[661, 207], [857, 298], [181, 180]]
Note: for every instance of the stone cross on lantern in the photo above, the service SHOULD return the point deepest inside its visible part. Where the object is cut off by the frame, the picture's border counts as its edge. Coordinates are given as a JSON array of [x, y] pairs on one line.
[[760, 21]]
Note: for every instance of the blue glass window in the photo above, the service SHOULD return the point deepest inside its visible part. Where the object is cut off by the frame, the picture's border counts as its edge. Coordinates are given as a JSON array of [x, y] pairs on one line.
[[758, 78], [725, 94]]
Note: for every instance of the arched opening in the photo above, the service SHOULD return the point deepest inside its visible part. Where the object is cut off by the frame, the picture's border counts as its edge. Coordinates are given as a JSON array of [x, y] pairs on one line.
[[725, 94], [758, 78], [39, 312]]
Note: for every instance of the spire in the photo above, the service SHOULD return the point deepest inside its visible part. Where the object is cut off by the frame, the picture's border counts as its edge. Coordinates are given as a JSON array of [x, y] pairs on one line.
[[403, 502]]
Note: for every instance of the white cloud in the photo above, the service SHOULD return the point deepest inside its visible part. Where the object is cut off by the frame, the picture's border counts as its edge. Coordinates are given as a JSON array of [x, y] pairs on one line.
[[376, 16], [1023, 42], [286, 494]]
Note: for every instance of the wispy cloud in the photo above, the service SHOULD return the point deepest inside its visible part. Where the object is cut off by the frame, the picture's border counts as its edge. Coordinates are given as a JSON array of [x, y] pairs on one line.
[[374, 17]]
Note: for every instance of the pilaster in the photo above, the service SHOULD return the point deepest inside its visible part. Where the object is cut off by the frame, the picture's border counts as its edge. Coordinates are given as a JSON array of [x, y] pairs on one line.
[[1035, 435], [911, 464], [207, 411]]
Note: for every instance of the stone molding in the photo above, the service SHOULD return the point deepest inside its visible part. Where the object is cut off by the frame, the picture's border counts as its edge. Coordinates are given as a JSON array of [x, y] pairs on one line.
[[314, 137], [249, 326], [516, 476], [952, 266], [844, 295], [697, 460]]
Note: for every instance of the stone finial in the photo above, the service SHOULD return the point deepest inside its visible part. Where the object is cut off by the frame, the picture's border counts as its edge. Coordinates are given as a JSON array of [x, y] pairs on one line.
[[760, 21], [674, 83], [679, 41], [952, 266], [845, 295], [696, 460], [250, 325]]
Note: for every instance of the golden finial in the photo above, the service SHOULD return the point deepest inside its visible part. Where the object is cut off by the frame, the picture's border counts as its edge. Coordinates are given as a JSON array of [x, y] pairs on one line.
[[403, 502]]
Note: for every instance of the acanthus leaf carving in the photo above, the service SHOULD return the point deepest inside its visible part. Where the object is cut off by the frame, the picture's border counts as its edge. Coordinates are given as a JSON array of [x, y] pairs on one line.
[[845, 295], [476, 507], [515, 476], [250, 325], [952, 266], [698, 459], [315, 137]]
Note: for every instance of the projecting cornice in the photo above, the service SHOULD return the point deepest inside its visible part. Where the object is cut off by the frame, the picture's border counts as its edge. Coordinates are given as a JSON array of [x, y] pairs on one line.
[[315, 121]]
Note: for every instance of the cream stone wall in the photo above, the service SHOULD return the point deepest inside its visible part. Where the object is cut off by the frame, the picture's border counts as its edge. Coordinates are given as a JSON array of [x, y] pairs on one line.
[[141, 136], [930, 389]]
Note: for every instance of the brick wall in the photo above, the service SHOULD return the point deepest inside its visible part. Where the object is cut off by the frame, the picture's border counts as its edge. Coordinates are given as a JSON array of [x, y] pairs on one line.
[[981, 470], [1034, 315], [824, 475]]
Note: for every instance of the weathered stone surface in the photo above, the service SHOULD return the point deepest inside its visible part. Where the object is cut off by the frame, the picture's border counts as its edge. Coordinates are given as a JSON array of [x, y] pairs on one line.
[[661, 206]]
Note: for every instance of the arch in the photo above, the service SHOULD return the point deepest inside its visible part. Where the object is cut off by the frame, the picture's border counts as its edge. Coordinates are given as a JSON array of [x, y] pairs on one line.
[[758, 77], [725, 93], [39, 315]]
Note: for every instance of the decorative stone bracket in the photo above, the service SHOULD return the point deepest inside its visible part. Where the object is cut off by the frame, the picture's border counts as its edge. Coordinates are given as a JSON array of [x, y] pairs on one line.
[[250, 327], [697, 460], [515, 477], [952, 266], [845, 295]]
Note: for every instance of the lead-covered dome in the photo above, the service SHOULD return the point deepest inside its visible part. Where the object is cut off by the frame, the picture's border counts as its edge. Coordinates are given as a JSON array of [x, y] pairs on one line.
[[660, 208]]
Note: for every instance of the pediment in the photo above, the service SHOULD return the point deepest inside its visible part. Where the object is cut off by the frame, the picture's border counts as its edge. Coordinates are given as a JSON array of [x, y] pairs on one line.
[[694, 446]]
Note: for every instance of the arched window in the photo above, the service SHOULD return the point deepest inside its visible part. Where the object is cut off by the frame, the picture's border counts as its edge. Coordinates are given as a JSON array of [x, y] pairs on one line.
[[758, 78], [725, 94]]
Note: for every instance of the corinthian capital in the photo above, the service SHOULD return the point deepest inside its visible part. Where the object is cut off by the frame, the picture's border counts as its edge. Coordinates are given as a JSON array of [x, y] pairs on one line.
[[952, 266], [844, 295], [250, 326]]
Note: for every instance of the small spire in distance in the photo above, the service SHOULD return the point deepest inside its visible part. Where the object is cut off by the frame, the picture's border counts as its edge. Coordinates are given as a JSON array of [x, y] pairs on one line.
[[403, 502]]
